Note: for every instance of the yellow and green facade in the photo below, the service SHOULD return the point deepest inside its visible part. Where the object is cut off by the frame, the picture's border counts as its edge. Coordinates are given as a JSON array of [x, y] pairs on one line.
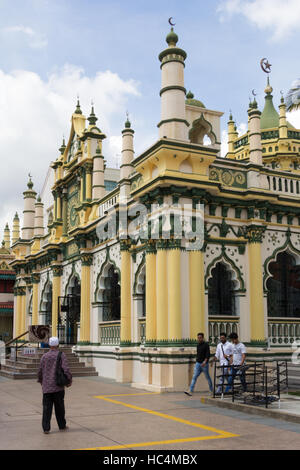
[[134, 305]]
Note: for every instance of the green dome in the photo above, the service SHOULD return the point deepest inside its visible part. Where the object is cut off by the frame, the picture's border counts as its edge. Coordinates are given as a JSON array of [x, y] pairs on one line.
[[270, 117], [172, 38], [191, 101]]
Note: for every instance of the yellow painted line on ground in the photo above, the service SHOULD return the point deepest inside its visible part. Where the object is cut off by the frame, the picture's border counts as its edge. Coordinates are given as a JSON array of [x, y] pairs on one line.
[[128, 395], [157, 443], [173, 418]]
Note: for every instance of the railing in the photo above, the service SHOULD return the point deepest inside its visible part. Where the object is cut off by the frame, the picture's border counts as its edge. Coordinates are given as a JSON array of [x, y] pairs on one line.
[[217, 325], [13, 343], [281, 184], [109, 333], [142, 329], [105, 206], [283, 331]]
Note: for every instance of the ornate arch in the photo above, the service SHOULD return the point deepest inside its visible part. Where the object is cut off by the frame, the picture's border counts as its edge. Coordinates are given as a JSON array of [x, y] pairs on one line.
[[138, 275], [108, 262], [287, 247], [229, 263], [200, 128], [74, 275]]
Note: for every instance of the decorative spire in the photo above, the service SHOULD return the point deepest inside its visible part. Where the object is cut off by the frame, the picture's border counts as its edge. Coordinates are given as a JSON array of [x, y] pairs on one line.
[[39, 198], [190, 95], [127, 123], [78, 110], [16, 217], [30, 183], [62, 148], [92, 117], [268, 89]]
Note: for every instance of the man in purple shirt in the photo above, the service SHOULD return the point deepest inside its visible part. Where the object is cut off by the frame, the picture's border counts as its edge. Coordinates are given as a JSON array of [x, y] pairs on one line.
[[52, 393]]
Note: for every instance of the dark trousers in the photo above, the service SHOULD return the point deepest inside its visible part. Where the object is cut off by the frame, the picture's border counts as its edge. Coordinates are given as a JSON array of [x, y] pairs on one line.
[[57, 399]]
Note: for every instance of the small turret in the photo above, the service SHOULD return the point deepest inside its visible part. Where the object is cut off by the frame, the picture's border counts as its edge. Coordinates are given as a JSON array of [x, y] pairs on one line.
[[16, 229], [7, 237], [39, 218], [29, 211]]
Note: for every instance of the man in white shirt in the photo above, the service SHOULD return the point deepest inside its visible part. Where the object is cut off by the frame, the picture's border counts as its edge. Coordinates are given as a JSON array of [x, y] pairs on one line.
[[237, 362], [223, 354]]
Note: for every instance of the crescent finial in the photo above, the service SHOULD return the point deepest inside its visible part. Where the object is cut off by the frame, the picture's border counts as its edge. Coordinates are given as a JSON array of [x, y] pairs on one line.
[[170, 21]]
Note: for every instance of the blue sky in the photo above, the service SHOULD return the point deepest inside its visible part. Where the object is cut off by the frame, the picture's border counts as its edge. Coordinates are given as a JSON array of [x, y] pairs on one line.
[[59, 47]]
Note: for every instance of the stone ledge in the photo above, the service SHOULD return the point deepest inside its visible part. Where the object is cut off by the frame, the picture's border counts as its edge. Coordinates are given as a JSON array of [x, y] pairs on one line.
[[249, 409]]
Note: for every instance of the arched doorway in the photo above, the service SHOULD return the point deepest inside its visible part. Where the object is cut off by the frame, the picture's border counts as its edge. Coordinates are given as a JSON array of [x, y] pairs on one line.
[[46, 305], [283, 287], [111, 299], [69, 312], [221, 292]]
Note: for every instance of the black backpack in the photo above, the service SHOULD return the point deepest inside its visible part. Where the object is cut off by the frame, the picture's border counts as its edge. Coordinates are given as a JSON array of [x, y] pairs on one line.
[[60, 377]]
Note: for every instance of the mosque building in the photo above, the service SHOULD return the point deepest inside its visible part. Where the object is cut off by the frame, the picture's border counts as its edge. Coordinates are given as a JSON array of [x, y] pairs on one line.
[[133, 305]]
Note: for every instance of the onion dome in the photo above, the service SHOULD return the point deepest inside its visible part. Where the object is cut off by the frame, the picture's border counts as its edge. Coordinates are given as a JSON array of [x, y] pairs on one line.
[[172, 38], [191, 101]]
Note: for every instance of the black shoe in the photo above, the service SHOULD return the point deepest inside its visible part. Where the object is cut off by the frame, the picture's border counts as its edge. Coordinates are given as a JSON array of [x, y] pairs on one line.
[[187, 392]]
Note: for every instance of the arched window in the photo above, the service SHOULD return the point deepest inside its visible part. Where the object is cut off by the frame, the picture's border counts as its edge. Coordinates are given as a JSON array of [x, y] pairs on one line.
[[46, 306], [284, 287], [221, 292], [111, 296]]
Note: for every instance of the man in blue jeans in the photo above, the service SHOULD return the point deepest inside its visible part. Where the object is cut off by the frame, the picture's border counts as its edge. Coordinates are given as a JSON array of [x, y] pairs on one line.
[[202, 364]]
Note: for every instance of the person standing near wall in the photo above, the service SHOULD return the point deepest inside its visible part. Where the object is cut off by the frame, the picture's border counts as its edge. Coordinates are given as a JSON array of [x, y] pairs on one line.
[[202, 364], [53, 394]]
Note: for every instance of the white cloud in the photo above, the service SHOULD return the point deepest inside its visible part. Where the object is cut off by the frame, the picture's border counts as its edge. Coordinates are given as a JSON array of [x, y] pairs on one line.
[[35, 39], [280, 18], [294, 118], [35, 113]]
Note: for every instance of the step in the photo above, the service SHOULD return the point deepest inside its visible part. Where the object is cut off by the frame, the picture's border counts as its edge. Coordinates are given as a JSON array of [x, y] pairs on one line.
[[16, 376]]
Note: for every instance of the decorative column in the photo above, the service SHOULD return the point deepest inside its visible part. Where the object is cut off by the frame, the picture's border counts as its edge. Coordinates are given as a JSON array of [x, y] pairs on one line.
[[16, 229], [173, 122], [88, 191], [197, 294], [58, 204], [254, 234], [29, 211], [17, 312], [125, 293], [57, 273], [283, 128], [39, 218], [7, 237], [174, 289], [65, 212], [161, 291], [231, 137], [151, 326], [35, 278], [255, 149], [85, 298], [98, 175], [23, 310]]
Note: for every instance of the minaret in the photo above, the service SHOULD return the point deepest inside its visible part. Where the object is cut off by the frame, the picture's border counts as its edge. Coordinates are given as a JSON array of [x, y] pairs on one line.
[[173, 123], [283, 129], [231, 137], [7, 237], [127, 150], [29, 211], [98, 175], [39, 218], [16, 229], [255, 149]]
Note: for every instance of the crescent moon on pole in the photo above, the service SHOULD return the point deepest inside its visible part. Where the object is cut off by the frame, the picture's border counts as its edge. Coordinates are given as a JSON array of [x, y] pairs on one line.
[[170, 21], [253, 92]]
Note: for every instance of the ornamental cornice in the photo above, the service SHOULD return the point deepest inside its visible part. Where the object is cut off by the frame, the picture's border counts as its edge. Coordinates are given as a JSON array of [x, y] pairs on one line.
[[253, 233]]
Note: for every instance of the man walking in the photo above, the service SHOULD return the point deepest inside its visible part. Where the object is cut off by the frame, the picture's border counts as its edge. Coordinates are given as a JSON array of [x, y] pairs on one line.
[[52, 393], [223, 354], [237, 362], [202, 363]]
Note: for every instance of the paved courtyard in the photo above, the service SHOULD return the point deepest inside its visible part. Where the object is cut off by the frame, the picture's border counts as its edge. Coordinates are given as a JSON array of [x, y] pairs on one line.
[[102, 414]]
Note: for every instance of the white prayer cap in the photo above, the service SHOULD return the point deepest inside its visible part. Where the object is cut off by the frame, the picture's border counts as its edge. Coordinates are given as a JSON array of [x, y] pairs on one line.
[[53, 341]]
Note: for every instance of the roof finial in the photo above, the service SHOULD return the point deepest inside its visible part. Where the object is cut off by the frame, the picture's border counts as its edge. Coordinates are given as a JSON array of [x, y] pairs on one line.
[[172, 37], [92, 117], [127, 123], [30, 183], [78, 110]]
